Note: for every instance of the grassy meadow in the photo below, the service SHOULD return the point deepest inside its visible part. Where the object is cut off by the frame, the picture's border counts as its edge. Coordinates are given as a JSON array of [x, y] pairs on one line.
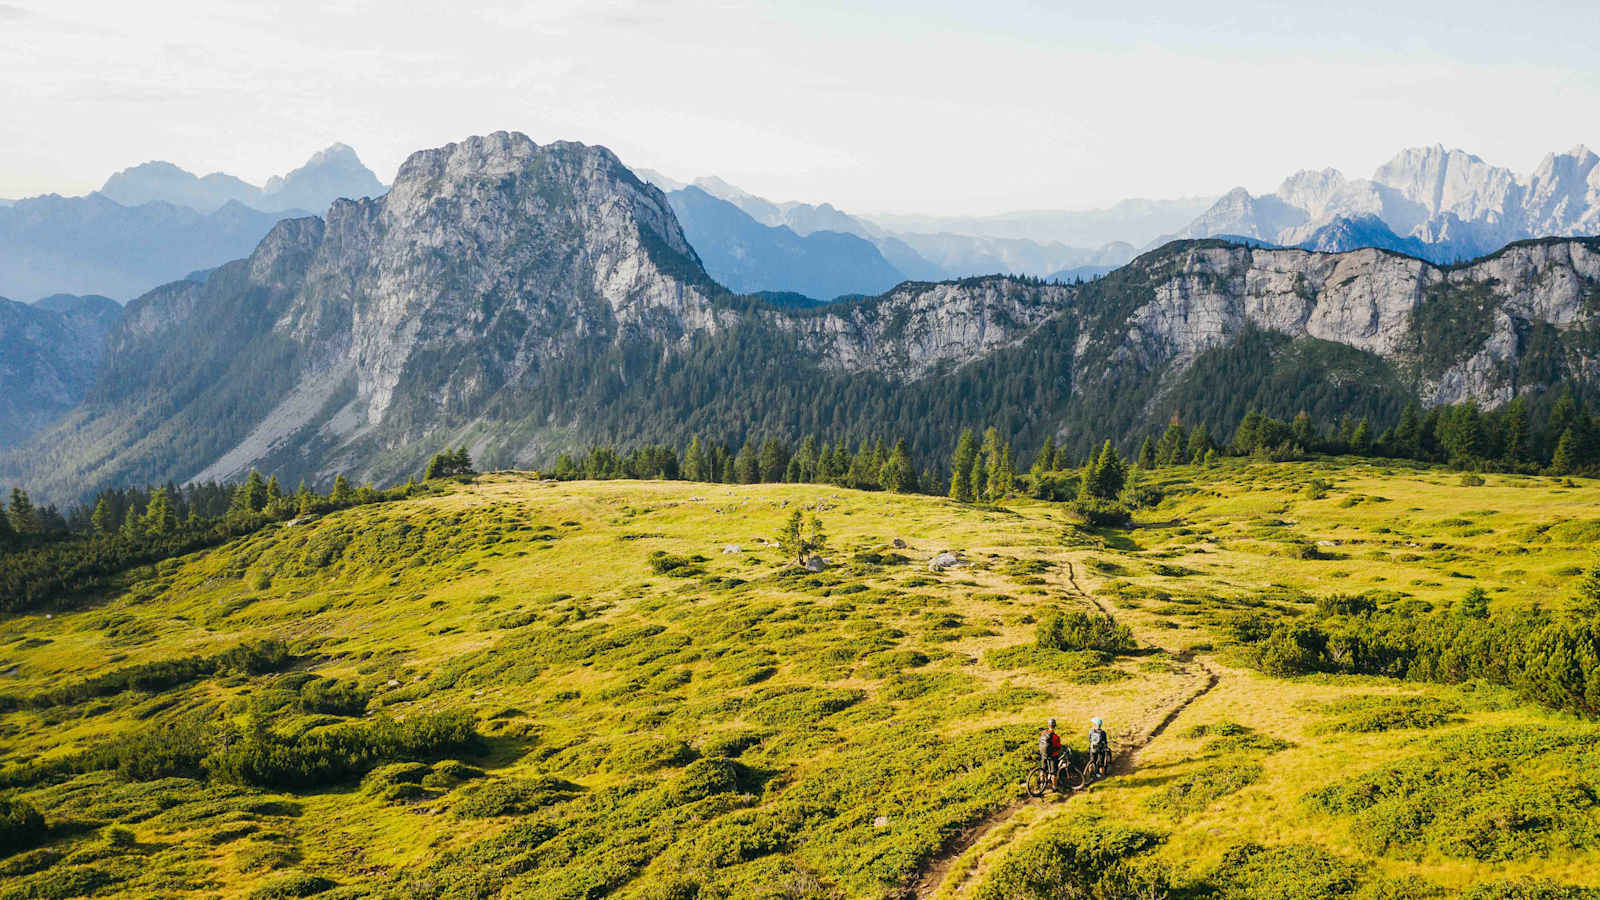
[[535, 689]]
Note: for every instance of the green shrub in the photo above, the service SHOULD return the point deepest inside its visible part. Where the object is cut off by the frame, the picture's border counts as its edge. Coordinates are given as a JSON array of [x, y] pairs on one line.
[[1363, 715], [1080, 630], [1101, 513], [21, 825], [329, 755], [1194, 792], [296, 884], [1085, 859], [514, 797], [332, 697], [1286, 872]]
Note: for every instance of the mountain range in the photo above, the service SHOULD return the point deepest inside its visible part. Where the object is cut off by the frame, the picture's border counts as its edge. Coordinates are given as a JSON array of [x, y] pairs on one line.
[[1439, 204], [49, 354], [524, 299], [156, 223], [328, 175]]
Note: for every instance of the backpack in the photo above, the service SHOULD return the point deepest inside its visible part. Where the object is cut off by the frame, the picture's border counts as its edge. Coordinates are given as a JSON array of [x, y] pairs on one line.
[[1097, 738]]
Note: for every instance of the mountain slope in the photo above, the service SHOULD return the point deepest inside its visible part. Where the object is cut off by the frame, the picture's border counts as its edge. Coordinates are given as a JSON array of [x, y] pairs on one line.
[[746, 256], [49, 353], [525, 300]]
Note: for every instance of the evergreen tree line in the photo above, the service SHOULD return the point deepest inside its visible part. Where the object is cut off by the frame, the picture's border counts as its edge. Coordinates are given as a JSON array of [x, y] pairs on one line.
[[1550, 657], [870, 466], [133, 527], [1463, 436]]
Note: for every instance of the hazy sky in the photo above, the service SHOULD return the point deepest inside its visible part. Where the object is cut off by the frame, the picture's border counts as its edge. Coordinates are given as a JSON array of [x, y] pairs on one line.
[[918, 106]]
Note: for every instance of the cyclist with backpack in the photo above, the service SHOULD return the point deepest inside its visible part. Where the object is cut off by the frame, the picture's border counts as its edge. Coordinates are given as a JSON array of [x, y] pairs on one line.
[[1099, 746], [1050, 749]]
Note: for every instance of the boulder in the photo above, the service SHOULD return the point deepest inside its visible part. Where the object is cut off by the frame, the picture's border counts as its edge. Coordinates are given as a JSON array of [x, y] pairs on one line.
[[732, 548], [815, 563], [899, 544], [943, 561]]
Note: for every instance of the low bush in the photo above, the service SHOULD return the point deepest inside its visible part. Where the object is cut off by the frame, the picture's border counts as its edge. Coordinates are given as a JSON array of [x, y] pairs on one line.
[[296, 884], [1285, 872], [21, 825], [1085, 859], [1081, 630], [1101, 513], [514, 797], [325, 756], [1194, 792]]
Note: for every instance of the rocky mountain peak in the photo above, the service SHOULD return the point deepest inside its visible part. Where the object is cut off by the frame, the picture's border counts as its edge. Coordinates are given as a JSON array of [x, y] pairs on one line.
[[1449, 181]]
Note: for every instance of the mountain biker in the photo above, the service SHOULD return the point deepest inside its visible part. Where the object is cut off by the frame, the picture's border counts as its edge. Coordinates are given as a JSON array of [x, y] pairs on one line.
[[1050, 749], [1099, 744]]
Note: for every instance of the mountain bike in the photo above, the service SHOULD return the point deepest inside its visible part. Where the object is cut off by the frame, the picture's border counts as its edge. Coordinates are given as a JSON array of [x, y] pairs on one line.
[[1041, 779], [1096, 767]]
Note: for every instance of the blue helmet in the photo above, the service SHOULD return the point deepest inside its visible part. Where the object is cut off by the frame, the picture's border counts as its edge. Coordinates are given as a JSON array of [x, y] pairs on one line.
[[1096, 722]]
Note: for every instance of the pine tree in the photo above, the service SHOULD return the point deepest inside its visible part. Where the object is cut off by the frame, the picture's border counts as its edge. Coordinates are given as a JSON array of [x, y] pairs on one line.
[[254, 492], [342, 494], [1046, 460], [7, 534], [1105, 476], [1002, 473], [24, 519], [1361, 439], [132, 526], [807, 458], [1517, 438], [274, 492], [1302, 432], [747, 467], [1170, 452], [103, 520], [1408, 434], [898, 474], [694, 460], [774, 460], [864, 469], [159, 516], [1565, 460], [961, 466], [841, 464], [1147, 454], [1199, 442]]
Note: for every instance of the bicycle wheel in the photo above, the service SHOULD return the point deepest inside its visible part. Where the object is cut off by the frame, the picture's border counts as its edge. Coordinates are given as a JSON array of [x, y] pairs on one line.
[[1036, 783]]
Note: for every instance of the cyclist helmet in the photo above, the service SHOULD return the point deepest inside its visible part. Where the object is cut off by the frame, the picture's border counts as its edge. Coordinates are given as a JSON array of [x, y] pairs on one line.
[[1096, 721], [1052, 723]]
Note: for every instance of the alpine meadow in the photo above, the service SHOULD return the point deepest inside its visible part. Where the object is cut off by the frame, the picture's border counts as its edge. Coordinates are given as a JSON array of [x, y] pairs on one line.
[[1060, 503]]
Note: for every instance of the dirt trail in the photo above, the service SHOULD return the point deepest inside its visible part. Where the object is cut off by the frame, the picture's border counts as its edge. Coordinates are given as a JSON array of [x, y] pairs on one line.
[[939, 878]]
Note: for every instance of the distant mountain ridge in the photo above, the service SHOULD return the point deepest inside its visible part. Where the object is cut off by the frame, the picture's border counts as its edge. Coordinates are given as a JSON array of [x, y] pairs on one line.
[[49, 356], [154, 223], [526, 299], [747, 256], [1438, 204], [328, 175]]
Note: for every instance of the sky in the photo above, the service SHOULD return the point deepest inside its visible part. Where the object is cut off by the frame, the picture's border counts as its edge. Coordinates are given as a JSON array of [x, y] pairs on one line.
[[929, 106]]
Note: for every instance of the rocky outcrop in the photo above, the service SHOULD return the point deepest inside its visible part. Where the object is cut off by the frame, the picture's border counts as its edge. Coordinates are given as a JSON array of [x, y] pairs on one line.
[[1375, 301]]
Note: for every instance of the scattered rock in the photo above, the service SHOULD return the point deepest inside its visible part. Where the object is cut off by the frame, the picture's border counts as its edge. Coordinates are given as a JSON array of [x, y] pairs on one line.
[[899, 544], [815, 563], [880, 822], [944, 561], [732, 548]]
